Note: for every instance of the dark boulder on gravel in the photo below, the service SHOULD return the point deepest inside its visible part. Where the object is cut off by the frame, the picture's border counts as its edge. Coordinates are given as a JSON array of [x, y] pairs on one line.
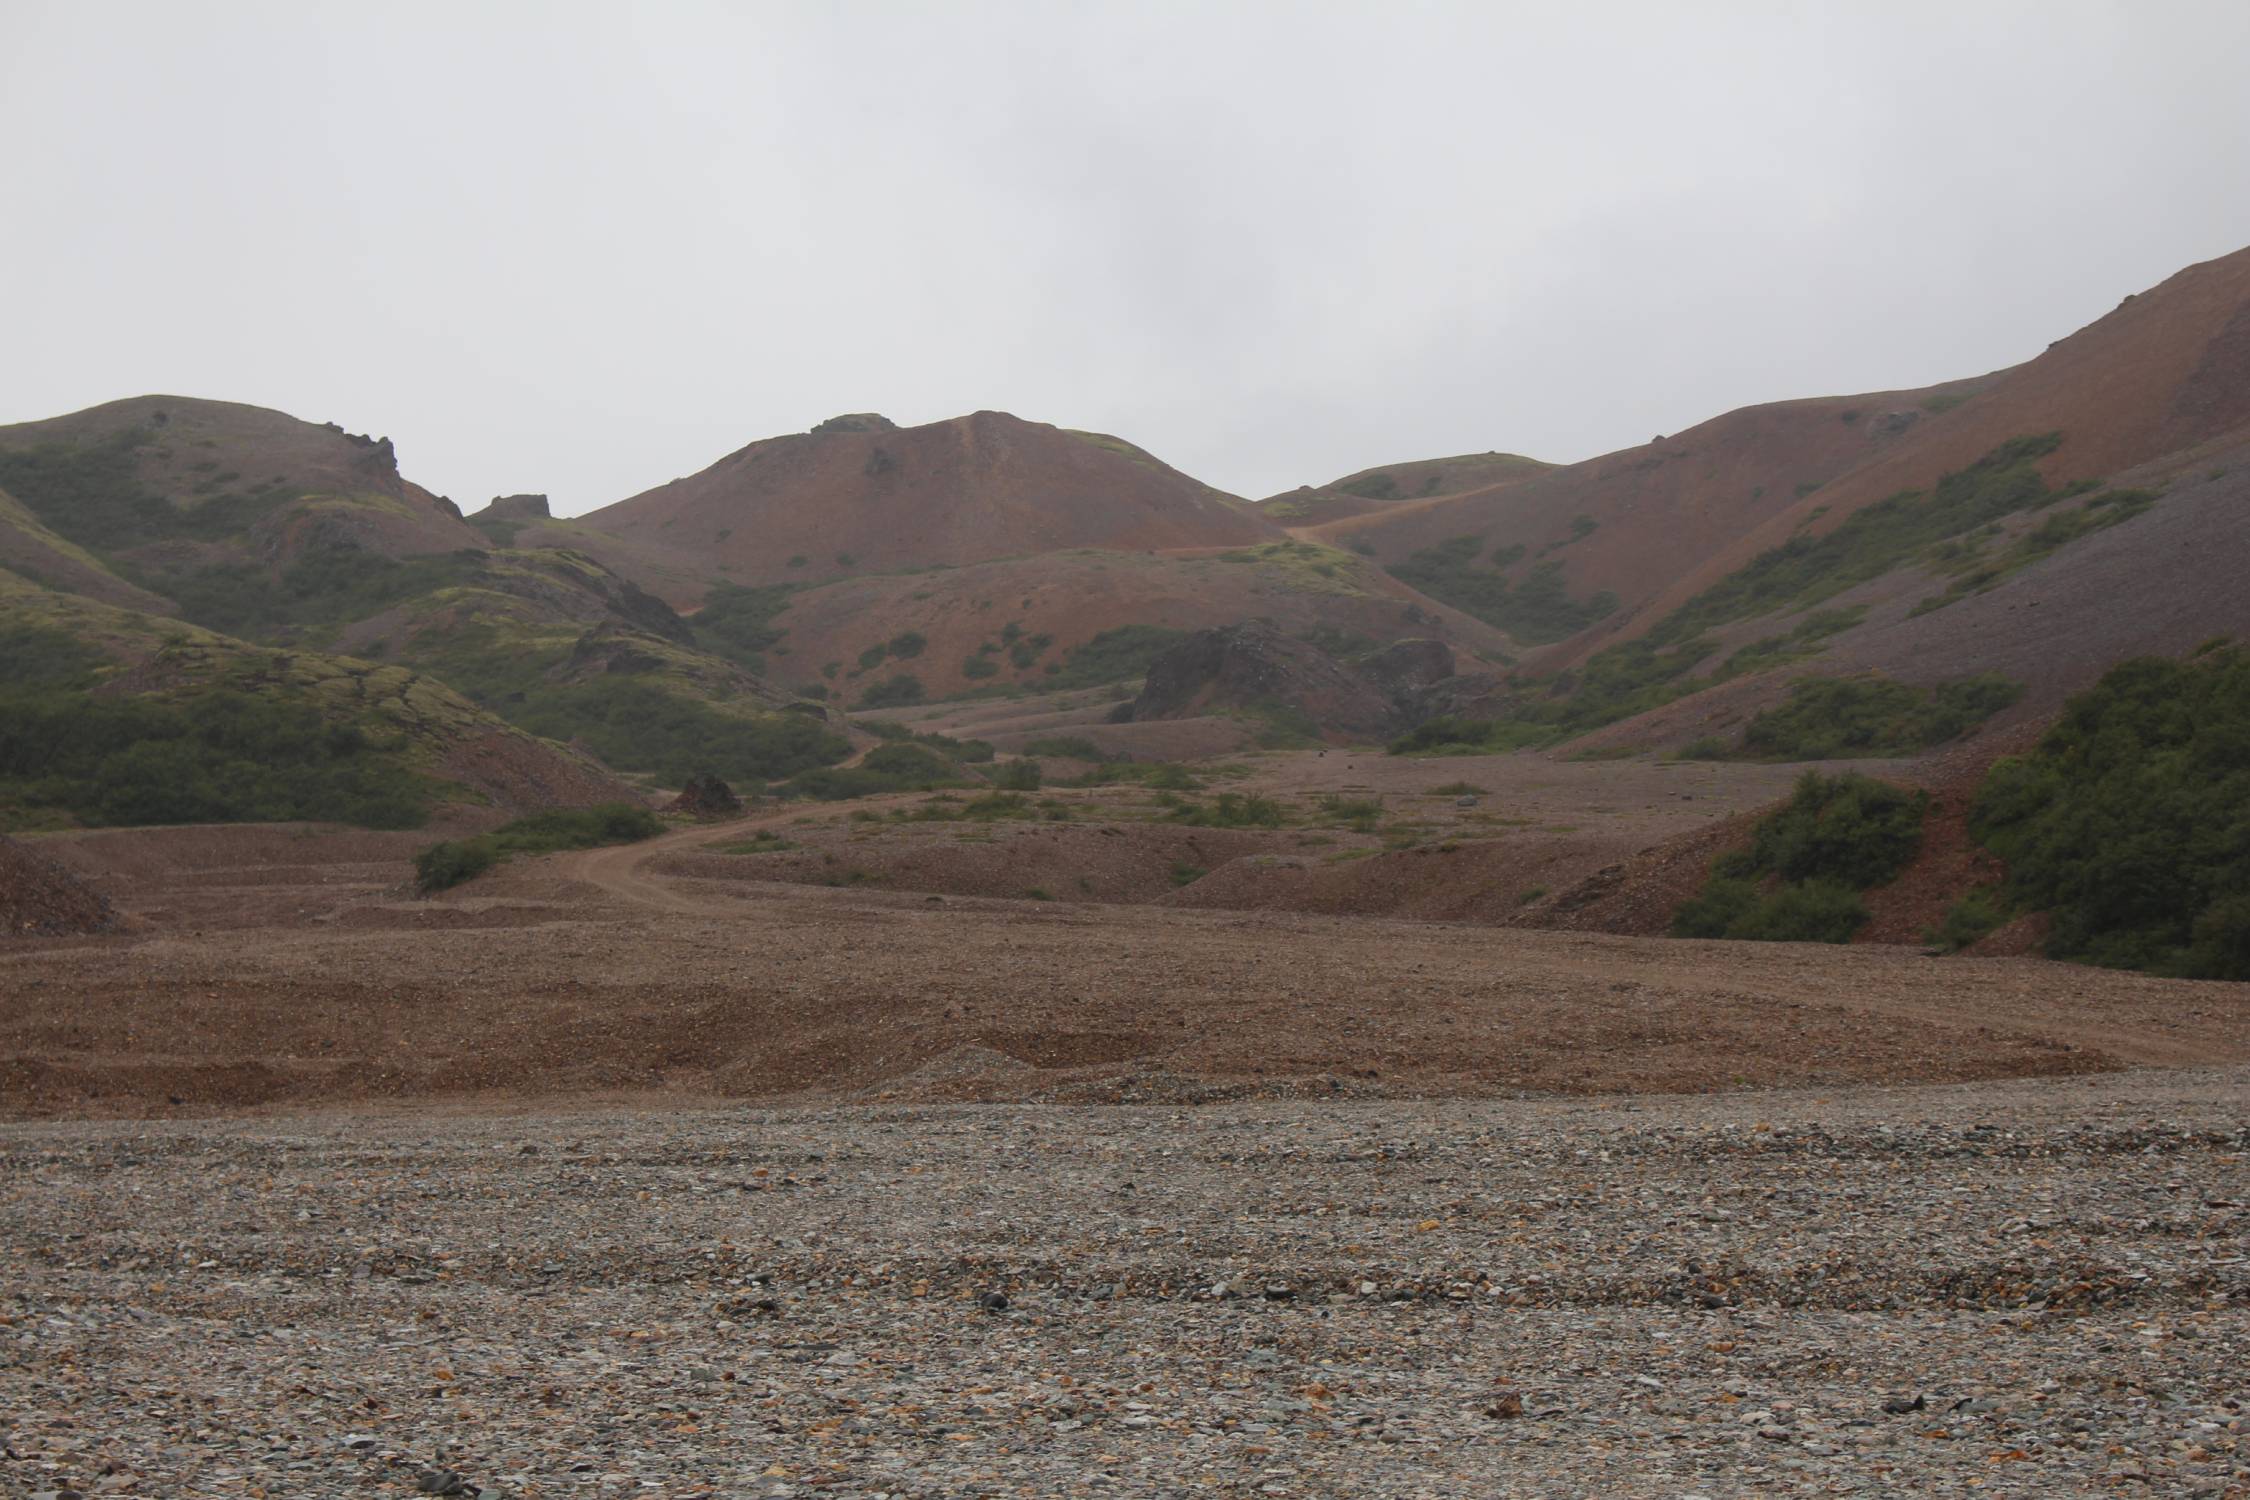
[[706, 797], [39, 898]]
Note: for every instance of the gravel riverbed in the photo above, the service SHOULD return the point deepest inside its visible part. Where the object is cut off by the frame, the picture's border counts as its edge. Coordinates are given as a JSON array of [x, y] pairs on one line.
[[2030, 1288]]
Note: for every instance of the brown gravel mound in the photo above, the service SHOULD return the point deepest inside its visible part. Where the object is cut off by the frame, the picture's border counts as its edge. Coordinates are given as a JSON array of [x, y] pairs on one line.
[[39, 898]]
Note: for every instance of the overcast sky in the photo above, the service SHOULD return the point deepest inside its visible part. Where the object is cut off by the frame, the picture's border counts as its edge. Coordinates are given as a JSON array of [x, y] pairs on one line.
[[584, 248]]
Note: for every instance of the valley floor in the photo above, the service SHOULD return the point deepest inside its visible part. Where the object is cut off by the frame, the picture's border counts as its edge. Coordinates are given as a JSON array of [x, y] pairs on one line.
[[1671, 1296], [663, 1170], [875, 959]]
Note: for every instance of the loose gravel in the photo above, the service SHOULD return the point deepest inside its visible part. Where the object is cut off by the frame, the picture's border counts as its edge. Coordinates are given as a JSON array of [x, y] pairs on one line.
[[2032, 1288]]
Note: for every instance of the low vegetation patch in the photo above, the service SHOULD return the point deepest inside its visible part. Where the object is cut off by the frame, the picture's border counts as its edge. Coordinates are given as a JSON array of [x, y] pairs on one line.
[[1834, 718], [1537, 608], [1800, 879], [220, 756], [634, 725], [1114, 656], [896, 767], [456, 860], [1228, 810], [1800, 574], [738, 623], [968, 752], [2129, 825]]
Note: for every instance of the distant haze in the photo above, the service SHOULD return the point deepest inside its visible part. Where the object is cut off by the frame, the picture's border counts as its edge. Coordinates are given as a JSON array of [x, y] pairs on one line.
[[586, 248]]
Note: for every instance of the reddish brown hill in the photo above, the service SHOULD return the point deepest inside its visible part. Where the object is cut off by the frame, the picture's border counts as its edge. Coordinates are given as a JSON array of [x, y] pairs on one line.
[[866, 497], [2167, 371], [1655, 509]]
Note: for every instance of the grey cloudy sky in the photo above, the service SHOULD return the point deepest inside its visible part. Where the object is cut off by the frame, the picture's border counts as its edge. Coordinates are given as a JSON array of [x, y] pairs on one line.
[[583, 248]]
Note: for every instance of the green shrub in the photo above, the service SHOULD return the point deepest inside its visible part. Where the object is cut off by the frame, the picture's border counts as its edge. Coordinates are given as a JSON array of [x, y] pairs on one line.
[[1850, 829], [1814, 911], [1066, 747], [1362, 813], [896, 767], [1798, 882], [634, 725], [1977, 912], [1187, 874], [1114, 656], [737, 623], [967, 751], [456, 860], [979, 666], [1830, 718], [2130, 823], [1232, 810], [893, 692], [1017, 776], [1537, 609]]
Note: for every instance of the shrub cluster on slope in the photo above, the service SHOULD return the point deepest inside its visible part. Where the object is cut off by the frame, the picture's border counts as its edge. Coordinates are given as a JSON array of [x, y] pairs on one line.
[[2130, 823], [1537, 608], [217, 757], [456, 860], [1804, 572], [637, 726], [1800, 879], [900, 766], [1834, 718]]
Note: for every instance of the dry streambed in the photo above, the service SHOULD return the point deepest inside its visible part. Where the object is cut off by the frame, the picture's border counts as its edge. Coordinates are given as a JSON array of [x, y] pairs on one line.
[[1657, 1296]]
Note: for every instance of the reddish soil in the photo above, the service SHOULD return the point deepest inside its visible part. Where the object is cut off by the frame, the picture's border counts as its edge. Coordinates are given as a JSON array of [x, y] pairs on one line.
[[621, 971]]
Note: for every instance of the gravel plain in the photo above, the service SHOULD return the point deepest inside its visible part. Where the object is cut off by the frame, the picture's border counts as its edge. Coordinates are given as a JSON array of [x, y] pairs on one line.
[[2027, 1288]]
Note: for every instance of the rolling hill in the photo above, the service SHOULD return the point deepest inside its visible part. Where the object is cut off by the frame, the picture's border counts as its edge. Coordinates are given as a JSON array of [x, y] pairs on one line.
[[860, 495], [112, 715]]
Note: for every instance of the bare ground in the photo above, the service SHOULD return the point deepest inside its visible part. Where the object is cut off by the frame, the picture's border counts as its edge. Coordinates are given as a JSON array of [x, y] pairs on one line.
[[288, 967]]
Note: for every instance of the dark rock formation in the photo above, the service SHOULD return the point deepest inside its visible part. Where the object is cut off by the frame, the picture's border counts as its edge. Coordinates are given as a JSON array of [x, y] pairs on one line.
[[1405, 669], [39, 898], [706, 797], [857, 421], [1255, 667], [517, 508]]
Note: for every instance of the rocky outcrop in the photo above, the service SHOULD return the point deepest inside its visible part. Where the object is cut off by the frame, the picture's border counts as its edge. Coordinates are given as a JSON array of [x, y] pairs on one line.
[[857, 421], [706, 797], [1406, 669], [516, 508]]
